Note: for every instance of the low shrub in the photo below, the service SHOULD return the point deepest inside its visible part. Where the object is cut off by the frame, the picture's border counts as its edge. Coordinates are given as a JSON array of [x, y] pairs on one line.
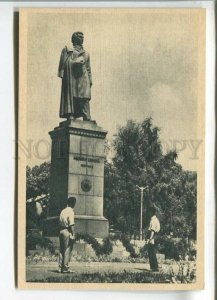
[[186, 272], [37, 258], [174, 248], [104, 249], [107, 246], [129, 247], [126, 243], [124, 277], [35, 239]]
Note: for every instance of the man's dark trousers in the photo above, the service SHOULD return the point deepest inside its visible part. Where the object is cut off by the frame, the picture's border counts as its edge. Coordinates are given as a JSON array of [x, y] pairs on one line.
[[152, 257]]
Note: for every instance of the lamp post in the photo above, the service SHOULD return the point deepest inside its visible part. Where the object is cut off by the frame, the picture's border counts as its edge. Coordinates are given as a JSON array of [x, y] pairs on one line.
[[141, 208]]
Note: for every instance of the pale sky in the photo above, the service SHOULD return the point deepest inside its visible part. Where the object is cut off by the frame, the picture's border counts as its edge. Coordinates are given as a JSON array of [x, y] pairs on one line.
[[144, 64]]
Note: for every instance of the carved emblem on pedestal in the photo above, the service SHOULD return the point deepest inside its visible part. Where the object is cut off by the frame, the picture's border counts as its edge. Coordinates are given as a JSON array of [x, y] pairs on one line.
[[86, 185]]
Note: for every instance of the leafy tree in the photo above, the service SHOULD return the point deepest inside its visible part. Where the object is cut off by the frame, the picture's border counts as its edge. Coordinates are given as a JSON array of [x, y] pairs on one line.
[[139, 160], [37, 180], [37, 183]]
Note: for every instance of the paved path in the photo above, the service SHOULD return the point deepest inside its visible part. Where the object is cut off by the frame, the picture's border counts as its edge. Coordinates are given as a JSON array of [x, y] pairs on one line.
[[43, 271]]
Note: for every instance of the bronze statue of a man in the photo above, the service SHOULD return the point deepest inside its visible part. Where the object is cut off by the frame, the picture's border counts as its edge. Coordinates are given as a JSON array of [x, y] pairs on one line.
[[75, 71]]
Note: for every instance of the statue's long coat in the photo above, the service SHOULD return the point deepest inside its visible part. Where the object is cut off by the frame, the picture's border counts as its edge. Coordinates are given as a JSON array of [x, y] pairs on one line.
[[71, 86]]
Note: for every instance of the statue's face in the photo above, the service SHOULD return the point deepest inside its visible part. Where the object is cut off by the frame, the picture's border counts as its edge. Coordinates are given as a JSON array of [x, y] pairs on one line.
[[79, 40]]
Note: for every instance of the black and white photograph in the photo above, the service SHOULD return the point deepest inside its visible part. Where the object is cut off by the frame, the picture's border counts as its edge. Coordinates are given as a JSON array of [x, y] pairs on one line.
[[111, 148]]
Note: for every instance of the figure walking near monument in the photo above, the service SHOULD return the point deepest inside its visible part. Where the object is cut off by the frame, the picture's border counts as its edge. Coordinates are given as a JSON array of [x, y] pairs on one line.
[[154, 228], [67, 235], [75, 71]]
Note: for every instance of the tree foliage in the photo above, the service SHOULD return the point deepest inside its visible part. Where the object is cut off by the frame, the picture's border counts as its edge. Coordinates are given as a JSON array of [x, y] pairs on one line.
[[139, 160], [37, 183], [37, 180]]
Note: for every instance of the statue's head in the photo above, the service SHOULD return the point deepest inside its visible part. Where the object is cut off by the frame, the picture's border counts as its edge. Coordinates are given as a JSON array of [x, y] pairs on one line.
[[77, 38]]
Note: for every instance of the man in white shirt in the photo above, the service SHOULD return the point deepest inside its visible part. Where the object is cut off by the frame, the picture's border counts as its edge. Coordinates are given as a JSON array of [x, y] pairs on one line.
[[67, 235], [154, 228]]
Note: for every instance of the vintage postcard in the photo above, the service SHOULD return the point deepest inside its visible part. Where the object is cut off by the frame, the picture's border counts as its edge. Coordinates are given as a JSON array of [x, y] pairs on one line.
[[111, 148]]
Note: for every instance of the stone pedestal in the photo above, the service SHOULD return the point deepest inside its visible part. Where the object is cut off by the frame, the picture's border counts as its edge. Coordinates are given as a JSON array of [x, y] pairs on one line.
[[77, 169]]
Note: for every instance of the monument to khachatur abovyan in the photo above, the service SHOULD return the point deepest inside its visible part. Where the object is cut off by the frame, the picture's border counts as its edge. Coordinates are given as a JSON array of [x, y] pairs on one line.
[[77, 152]]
